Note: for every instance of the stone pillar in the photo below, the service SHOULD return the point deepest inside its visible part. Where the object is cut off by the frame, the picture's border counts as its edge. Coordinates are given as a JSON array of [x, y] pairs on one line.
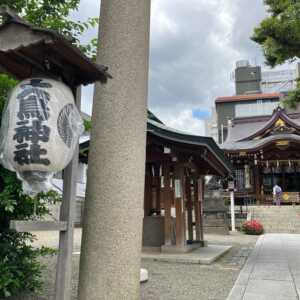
[[112, 225]]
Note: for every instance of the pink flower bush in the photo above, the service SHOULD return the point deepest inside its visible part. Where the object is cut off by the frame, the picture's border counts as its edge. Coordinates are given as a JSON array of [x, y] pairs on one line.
[[252, 227]]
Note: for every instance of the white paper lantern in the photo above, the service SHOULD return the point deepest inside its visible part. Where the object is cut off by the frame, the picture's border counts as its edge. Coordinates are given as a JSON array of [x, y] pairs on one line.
[[39, 132]]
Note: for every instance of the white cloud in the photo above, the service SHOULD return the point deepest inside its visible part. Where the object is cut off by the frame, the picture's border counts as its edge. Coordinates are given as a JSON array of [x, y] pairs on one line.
[[183, 120], [194, 47]]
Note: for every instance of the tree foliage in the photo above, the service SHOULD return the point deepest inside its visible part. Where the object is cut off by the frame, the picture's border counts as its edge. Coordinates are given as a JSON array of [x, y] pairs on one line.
[[20, 268], [279, 36]]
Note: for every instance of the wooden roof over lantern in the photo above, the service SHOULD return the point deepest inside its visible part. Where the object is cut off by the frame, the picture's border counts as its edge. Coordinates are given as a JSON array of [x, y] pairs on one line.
[[26, 50]]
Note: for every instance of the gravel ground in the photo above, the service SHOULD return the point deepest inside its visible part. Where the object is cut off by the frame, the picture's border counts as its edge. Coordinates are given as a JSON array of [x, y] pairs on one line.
[[169, 280]]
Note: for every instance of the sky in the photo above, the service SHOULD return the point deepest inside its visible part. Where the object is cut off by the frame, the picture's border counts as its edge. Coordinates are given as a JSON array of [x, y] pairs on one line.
[[194, 47]]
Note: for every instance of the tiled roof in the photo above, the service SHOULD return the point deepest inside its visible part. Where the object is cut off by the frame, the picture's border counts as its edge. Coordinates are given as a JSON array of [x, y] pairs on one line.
[[241, 136], [238, 98]]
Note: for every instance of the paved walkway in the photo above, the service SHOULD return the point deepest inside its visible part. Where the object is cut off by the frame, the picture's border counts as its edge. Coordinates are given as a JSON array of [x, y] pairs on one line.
[[272, 272]]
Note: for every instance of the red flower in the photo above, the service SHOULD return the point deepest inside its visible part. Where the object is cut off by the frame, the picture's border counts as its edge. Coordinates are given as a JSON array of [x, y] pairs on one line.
[[252, 227]]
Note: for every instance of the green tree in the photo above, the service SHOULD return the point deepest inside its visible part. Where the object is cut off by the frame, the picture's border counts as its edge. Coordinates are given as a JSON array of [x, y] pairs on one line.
[[20, 268], [279, 36]]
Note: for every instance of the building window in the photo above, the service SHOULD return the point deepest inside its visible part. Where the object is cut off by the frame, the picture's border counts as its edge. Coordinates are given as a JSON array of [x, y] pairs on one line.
[[257, 108]]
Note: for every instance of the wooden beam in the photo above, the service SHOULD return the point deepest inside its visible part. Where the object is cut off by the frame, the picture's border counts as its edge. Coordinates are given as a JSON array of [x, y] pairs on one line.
[[201, 199], [189, 206], [179, 206], [148, 192], [157, 188], [30, 61], [257, 181], [197, 209], [29, 226], [167, 205], [63, 284]]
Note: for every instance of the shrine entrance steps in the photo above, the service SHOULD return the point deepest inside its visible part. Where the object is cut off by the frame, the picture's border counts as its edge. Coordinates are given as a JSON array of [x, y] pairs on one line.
[[277, 219]]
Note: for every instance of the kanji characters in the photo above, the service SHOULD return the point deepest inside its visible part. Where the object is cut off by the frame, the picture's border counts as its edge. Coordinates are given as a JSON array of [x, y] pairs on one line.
[[30, 130]]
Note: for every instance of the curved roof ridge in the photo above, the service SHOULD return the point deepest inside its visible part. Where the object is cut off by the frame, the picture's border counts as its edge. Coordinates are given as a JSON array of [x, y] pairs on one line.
[[278, 113], [258, 144]]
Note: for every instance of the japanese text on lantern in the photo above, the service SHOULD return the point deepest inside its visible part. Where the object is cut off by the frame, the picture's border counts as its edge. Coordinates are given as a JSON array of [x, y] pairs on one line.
[[31, 126]]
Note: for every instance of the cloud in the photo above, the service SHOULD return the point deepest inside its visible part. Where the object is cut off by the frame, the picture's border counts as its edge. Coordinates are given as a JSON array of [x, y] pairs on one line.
[[185, 121], [194, 47]]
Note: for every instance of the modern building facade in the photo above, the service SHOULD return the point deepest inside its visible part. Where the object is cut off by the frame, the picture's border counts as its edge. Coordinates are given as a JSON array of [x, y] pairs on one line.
[[280, 81], [243, 106]]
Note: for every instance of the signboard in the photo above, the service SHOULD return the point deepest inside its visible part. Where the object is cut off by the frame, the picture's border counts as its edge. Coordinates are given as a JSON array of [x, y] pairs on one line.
[[177, 188]]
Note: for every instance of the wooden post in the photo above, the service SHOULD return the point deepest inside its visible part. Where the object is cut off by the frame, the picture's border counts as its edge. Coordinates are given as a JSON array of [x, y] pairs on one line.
[[63, 285], [148, 192], [157, 188], [167, 205], [257, 184], [197, 209], [179, 206], [189, 206], [201, 199], [232, 210]]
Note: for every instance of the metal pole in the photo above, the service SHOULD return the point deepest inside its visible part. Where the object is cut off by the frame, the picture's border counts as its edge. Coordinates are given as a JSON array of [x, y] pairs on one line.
[[232, 210], [63, 285]]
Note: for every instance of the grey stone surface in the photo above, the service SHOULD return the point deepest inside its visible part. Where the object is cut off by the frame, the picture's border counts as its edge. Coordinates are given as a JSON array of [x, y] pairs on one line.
[[167, 281], [272, 271], [112, 225], [278, 219], [153, 231], [215, 212], [203, 255]]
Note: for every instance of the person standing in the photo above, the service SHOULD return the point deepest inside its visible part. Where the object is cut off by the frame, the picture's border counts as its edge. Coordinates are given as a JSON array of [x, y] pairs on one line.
[[277, 193]]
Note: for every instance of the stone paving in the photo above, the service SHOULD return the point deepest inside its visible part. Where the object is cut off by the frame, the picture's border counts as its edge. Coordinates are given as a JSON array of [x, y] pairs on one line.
[[272, 271], [167, 281], [204, 255]]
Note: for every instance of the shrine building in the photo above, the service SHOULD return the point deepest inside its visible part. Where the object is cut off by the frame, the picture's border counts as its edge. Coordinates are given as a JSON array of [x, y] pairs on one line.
[[265, 150], [176, 164]]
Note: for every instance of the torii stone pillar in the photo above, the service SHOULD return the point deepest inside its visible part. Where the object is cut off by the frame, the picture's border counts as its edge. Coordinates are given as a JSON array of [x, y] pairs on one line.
[[112, 229]]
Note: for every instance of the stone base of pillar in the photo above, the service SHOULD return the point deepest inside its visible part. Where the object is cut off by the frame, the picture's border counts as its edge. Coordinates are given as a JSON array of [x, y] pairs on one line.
[[183, 249]]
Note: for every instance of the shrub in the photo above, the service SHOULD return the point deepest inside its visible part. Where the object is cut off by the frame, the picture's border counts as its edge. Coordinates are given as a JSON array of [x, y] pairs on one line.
[[20, 269], [253, 227]]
